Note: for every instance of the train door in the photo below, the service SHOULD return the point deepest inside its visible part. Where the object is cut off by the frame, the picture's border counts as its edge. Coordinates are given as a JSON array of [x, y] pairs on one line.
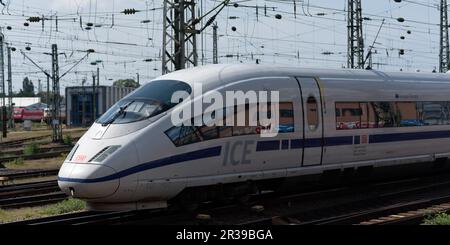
[[313, 121]]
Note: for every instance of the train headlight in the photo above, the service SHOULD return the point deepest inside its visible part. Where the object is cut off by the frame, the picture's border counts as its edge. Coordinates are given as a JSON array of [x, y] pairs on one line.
[[103, 154]]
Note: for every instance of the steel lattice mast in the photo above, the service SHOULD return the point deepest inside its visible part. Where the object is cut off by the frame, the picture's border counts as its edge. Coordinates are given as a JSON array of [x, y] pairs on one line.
[[355, 50], [179, 35], [56, 115], [215, 48], [444, 41]]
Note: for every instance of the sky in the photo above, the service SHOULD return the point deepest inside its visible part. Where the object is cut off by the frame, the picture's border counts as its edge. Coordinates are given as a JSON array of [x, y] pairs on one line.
[[311, 33]]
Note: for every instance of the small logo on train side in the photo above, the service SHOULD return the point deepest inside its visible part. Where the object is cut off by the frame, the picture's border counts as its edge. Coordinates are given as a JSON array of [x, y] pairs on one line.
[[406, 96], [80, 158]]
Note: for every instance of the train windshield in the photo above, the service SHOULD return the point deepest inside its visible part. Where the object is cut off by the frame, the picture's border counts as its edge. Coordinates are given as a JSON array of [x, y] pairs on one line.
[[145, 102]]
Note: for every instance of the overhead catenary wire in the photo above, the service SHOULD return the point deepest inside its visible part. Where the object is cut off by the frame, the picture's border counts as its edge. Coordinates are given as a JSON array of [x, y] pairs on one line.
[[129, 40]]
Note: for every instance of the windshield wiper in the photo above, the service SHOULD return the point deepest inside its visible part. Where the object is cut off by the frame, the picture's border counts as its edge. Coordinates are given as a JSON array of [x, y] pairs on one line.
[[120, 112]]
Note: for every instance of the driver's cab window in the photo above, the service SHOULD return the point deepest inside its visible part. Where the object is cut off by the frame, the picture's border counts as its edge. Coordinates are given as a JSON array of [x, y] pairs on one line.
[[312, 113]]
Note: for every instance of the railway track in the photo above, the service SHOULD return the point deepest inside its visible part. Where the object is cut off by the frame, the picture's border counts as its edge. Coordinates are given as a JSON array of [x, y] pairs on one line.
[[343, 205], [37, 155], [16, 190], [299, 208], [20, 142], [83, 218], [409, 217], [40, 150], [30, 194], [412, 212], [381, 207], [33, 200], [7, 175]]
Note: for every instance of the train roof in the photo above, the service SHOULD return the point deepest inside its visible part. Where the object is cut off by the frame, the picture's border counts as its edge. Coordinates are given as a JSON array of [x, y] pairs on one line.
[[218, 75]]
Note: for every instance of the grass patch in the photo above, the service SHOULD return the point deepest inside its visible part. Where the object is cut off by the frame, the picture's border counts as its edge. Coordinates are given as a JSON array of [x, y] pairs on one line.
[[21, 134], [68, 140], [67, 206], [54, 162], [438, 219], [38, 125], [31, 149], [15, 163], [63, 156]]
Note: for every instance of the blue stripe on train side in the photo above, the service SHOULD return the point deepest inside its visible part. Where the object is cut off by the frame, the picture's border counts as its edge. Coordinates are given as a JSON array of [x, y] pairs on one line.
[[357, 140], [384, 138], [352, 140], [296, 144], [190, 156], [272, 145], [314, 142], [334, 141]]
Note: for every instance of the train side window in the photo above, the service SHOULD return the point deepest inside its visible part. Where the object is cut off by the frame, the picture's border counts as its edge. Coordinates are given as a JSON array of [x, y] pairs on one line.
[[208, 133], [432, 113], [245, 112], [446, 112], [183, 135], [385, 114], [225, 131], [189, 135], [312, 113], [354, 115], [407, 114], [285, 120], [364, 118], [286, 117], [351, 115], [174, 135], [372, 116]]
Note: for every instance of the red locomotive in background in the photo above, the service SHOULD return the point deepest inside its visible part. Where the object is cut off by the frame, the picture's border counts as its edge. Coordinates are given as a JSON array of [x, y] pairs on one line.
[[33, 112]]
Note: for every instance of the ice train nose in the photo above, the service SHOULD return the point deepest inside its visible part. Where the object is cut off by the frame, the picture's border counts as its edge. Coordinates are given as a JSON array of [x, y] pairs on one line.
[[87, 181]]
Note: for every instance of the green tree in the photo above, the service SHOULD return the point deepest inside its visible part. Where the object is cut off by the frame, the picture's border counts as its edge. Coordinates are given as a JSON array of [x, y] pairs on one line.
[[126, 83], [27, 88]]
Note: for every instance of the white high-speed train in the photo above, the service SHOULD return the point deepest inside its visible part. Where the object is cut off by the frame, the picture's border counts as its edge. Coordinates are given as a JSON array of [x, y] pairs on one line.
[[330, 121]]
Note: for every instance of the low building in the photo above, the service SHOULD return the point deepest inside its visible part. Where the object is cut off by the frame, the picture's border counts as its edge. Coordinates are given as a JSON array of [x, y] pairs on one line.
[[80, 102]]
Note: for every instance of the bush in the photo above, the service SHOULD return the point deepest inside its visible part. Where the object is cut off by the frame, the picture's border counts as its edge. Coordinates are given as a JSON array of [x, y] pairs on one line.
[[31, 149], [65, 206], [438, 219], [68, 140]]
